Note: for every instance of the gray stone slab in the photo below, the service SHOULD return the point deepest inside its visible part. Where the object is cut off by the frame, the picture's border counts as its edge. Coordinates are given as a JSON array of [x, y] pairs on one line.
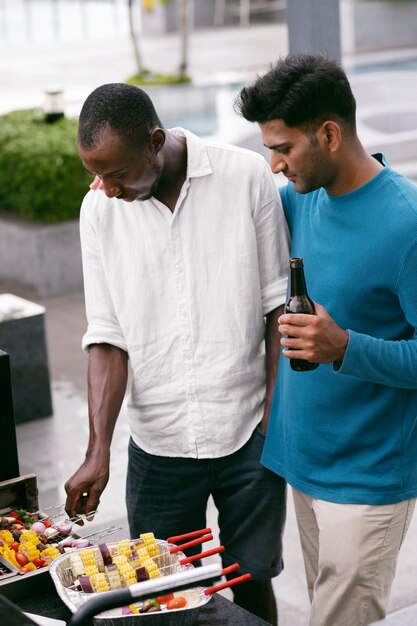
[[43, 257], [22, 336]]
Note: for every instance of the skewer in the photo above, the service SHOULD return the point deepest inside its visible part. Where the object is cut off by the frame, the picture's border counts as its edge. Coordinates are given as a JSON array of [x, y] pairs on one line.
[[190, 544], [191, 535], [229, 583], [201, 555], [230, 569], [103, 532]]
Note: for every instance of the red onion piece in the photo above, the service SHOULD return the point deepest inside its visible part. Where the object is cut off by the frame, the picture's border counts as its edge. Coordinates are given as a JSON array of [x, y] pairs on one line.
[[67, 542], [38, 527], [126, 610], [105, 553], [63, 527], [85, 583]]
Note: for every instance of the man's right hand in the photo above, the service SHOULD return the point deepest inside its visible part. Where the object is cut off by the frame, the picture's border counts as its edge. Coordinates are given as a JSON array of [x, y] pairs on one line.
[[85, 487]]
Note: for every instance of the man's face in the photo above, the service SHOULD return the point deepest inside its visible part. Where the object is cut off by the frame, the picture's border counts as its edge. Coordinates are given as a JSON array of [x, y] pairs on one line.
[[127, 172], [302, 158]]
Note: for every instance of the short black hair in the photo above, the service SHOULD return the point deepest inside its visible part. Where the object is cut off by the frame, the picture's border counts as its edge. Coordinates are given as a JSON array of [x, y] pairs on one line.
[[303, 90], [126, 109]]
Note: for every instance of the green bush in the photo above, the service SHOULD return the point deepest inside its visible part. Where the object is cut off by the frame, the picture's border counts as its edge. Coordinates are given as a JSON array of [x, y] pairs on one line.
[[41, 175], [151, 79]]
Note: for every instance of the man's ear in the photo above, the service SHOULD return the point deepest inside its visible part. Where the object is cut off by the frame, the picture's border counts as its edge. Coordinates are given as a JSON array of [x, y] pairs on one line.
[[331, 133], [157, 139]]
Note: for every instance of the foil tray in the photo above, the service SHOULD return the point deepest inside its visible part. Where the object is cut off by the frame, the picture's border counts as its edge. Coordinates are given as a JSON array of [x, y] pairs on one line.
[[62, 577]]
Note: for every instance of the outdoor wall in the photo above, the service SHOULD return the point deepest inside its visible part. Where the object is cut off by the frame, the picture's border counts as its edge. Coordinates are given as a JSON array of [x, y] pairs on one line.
[[368, 25]]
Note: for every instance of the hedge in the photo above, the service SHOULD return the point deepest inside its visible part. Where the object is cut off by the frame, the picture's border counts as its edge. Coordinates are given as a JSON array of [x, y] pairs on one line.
[[41, 175]]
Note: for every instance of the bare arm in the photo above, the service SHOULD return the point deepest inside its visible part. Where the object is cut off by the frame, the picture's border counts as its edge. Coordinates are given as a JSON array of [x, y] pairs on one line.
[[272, 352], [107, 380]]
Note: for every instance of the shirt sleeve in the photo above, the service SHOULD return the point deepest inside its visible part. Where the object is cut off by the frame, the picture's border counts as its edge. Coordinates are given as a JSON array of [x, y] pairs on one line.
[[273, 242], [103, 325], [390, 363]]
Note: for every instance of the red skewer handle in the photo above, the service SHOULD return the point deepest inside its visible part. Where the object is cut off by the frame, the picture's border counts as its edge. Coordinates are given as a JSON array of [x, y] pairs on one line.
[[196, 557], [229, 583], [230, 569], [190, 544], [194, 533]]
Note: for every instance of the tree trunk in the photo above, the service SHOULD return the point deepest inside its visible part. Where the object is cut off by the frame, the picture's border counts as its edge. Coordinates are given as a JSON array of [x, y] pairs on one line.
[[135, 44], [182, 21]]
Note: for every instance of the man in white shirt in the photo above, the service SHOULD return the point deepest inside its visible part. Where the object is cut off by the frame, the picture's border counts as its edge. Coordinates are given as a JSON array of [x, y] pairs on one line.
[[185, 259]]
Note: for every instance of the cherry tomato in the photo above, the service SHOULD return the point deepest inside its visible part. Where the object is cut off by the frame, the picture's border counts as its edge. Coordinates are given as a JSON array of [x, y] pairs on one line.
[[178, 602], [46, 523], [21, 559], [164, 599], [15, 546], [39, 562]]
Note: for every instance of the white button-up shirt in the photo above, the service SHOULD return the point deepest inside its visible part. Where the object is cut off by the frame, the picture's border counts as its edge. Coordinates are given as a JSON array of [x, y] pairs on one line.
[[185, 294]]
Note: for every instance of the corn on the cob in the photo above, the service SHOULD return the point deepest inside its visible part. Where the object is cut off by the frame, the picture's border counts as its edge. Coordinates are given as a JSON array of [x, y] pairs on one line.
[[99, 582], [124, 547], [119, 560], [143, 554], [128, 574], [150, 543], [152, 568], [30, 550], [7, 536], [50, 554], [29, 536], [87, 557], [91, 570]]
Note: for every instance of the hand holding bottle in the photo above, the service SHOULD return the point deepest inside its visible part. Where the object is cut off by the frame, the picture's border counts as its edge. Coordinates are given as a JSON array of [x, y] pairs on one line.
[[316, 338]]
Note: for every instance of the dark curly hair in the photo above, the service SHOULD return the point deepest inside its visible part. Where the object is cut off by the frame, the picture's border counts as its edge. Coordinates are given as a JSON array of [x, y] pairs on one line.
[[126, 109], [303, 90]]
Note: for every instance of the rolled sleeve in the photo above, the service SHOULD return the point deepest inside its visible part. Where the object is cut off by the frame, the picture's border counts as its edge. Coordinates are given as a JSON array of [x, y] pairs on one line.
[[273, 241], [103, 325]]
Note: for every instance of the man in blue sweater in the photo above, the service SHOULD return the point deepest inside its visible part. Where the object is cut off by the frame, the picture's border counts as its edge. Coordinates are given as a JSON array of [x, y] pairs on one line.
[[345, 434]]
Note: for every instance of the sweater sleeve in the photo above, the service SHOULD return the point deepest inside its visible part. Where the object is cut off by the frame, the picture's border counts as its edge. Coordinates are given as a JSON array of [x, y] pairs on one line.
[[390, 363]]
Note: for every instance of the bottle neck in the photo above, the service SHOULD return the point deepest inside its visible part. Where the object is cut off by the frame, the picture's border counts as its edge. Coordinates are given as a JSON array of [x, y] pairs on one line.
[[298, 282]]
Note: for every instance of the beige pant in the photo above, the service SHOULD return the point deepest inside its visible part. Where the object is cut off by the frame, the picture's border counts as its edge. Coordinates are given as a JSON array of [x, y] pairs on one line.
[[350, 554]]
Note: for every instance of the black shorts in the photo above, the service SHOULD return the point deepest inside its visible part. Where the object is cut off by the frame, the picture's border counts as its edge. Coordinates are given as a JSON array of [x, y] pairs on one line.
[[168, 496]]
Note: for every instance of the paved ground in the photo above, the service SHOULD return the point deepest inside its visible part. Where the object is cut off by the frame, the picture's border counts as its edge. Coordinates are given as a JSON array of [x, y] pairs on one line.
[[52, 448]]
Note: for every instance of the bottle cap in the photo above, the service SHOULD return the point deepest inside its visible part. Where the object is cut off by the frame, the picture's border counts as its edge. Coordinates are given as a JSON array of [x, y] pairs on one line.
[[296, 263]]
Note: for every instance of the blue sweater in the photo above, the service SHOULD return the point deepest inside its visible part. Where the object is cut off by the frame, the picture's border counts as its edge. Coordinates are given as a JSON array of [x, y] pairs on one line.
[[348, 432]]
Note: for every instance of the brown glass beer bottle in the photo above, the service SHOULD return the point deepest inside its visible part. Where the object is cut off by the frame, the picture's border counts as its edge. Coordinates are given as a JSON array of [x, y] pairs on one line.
[[299, 302]]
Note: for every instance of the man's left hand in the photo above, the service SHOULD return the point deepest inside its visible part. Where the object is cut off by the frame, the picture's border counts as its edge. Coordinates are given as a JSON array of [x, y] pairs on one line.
[[316, 338], [96, 184]]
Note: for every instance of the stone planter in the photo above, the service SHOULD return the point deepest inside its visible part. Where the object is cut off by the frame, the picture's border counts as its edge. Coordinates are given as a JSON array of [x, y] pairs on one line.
[[44, 257], [371, 25]]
